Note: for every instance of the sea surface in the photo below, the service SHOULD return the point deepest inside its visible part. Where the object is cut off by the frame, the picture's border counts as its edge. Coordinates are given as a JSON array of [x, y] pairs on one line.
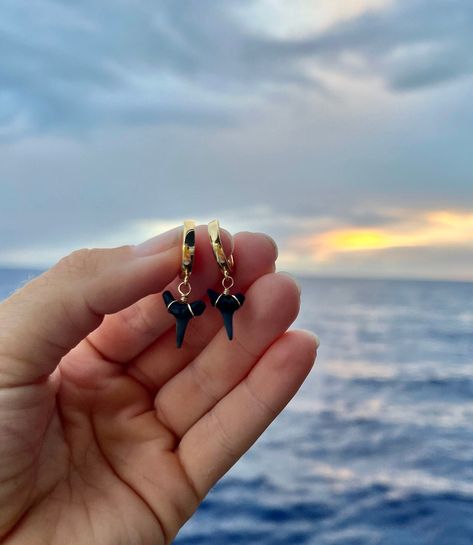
[[377, 447]]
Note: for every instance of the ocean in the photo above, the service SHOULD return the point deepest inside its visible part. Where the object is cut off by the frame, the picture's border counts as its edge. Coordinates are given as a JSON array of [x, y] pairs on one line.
[[377, 447]]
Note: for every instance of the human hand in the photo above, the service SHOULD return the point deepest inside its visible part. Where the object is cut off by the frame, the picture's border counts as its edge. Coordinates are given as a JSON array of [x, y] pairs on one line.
[[109, 434]]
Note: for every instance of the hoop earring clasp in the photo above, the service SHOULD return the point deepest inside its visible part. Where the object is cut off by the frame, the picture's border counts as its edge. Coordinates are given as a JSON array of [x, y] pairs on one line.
[[225, 263], [226, 302], [181, 309], [188, 248]]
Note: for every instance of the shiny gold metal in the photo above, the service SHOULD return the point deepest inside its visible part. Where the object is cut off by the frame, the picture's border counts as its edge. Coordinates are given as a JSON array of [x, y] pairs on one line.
[[188, 249], [184, 289], [227, 283], [225, 263]]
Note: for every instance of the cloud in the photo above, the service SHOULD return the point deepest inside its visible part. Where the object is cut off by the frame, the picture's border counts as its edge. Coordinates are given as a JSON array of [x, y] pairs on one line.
[[300, 18], [431, 229], [87, 64], [429, 244], [70, 66], [43, 255], [392, 243], [412, 44], [252, 218]]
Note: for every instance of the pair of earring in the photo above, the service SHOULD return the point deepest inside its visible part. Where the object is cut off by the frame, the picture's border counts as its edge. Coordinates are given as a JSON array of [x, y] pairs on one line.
[[226, 302]]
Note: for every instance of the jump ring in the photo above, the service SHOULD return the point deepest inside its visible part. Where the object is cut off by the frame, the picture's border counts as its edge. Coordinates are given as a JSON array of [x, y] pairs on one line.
[[227, 282], [188, 289]]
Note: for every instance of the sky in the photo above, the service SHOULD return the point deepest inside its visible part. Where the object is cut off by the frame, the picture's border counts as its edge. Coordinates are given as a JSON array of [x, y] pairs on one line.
[[341, 128]]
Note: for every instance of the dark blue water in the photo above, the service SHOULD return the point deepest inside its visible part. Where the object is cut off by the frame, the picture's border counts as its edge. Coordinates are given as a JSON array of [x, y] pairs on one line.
[[377, 448]]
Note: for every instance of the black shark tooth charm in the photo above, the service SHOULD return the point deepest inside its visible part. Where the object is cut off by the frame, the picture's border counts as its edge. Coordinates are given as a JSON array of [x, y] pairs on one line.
[[183, 312], [227, 304]]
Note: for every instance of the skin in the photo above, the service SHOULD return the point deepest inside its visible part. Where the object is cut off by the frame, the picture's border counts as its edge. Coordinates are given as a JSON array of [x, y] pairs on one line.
[[108, 433]]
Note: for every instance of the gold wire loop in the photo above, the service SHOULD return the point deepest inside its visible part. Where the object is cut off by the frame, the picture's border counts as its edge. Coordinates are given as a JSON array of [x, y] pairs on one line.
[[188, 249], [225, 263], [184, 293], [227, 283]]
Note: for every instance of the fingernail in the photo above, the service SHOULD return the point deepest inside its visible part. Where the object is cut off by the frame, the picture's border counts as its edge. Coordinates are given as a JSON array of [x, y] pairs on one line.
[[312, 334], [273, 242], [159, 243], [293, 278]]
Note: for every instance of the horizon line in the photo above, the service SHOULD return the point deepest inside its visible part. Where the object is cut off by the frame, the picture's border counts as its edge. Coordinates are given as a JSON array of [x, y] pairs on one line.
[[302, 275]]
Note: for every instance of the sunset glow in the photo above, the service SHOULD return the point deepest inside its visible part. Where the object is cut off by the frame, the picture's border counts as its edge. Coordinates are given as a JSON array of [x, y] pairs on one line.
[[356, 239], [335, 127], [429, 229]]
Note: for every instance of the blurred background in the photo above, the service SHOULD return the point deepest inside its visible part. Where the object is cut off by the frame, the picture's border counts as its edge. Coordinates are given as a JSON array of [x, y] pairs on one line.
[[343, 129]]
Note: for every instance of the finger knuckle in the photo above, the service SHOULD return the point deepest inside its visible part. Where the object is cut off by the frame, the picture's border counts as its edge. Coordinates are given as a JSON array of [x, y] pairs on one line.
[[80, 262], [138, 319], [217, 428]]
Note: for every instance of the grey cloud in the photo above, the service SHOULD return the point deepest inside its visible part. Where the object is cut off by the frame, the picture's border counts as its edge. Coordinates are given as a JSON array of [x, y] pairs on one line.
[[124, 62], [71, 65], [411, 44]]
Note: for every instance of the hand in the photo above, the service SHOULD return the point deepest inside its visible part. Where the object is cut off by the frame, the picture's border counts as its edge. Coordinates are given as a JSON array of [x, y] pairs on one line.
[[109, 434]]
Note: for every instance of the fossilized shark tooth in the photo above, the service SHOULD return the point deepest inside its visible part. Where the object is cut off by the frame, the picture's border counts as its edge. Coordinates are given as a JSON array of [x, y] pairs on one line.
[[183, 312], [227, 304]]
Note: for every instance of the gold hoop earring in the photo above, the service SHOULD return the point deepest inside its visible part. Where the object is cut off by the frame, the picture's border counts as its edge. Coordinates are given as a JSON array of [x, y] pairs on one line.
[[181, 309], [226, 302]]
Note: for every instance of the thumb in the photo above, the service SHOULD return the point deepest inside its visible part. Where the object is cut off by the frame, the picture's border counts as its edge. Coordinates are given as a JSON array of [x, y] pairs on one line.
[[41, 322]]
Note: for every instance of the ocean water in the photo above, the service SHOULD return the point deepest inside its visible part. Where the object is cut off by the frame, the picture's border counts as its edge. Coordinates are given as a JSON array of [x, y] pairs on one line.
[[377, 447]]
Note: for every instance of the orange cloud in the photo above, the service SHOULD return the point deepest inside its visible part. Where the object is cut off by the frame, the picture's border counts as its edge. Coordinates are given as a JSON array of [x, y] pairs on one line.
[[430, 229], [352, 239]]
